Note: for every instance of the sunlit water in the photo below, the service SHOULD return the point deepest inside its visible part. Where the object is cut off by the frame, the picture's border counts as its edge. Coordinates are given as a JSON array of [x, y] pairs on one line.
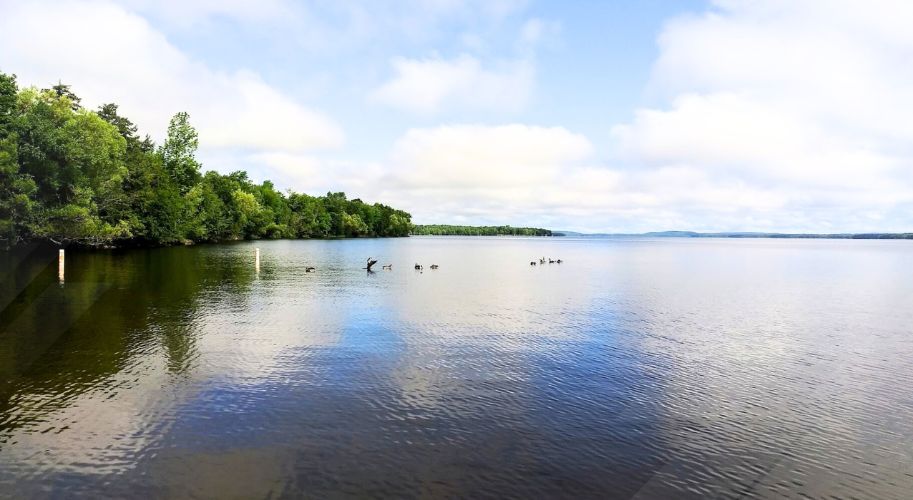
[[667, 368]]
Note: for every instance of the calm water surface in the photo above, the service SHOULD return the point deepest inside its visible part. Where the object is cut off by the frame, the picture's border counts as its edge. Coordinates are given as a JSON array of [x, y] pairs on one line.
[[667, 368]]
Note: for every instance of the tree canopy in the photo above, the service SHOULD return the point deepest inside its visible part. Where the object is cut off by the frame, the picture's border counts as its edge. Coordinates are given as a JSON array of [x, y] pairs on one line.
[[70, 175]]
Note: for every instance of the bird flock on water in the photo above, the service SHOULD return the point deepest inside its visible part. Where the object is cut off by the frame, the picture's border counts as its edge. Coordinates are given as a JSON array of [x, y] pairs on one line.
[[418, 267]]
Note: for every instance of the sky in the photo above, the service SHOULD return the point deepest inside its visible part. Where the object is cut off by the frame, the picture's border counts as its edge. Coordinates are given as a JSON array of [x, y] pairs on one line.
[[586, 115]]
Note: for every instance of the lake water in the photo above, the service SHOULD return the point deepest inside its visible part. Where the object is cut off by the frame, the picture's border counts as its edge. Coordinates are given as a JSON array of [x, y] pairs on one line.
[[664, 368]]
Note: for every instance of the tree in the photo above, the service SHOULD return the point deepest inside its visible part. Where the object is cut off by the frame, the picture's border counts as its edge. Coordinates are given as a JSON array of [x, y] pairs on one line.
[[248, 211], [128, 130], [71, 175], [64, 91], [179, 150], [76, 161], [8, 95], [16, 189], [353, 226], [150, 195]]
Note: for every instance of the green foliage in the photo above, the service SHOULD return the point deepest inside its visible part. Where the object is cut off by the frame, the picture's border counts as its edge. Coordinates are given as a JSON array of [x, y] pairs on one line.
[[16, 189], [179, 152], [74, 176], [62, 90], [444, 229]]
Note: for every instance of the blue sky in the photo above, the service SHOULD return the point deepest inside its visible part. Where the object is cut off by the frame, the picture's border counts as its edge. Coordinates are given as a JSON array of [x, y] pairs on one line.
[[782, 115]]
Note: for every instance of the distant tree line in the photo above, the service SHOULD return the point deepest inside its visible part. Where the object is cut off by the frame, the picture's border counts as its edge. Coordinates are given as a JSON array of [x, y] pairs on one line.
[[70, 175], [831, 236], [448, 230]]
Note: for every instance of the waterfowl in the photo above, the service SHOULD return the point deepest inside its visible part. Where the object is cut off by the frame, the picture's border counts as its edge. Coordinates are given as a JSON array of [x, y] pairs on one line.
[[542, 260], [559, 261], [371, 262], [418, 267], [550, 261], [388, 267], [434, 266], [310, 269], [532, 263]]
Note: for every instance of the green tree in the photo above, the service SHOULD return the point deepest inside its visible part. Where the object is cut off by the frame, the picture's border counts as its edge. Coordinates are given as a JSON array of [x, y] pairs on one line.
[[64, 91], [76, 160], [179, 152], [353, 226], [16, 189], [151, 196], [248, 212], [70, 175]]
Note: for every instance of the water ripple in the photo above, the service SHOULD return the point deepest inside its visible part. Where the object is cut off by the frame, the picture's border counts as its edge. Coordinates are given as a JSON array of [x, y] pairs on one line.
[[635, 369]]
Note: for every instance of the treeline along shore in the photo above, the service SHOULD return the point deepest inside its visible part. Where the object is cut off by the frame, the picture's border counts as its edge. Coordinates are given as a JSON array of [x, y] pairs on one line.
[[449, 230], [74, 176]]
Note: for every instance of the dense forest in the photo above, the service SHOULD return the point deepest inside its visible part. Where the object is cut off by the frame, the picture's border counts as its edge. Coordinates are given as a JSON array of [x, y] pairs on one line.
[[70, 175], [448, 230]]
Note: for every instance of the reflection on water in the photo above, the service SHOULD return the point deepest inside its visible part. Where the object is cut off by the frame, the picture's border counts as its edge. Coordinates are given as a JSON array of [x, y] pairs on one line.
[[647, 368]]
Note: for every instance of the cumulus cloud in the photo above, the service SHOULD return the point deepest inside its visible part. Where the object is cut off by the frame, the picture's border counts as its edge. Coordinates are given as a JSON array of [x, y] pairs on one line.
[[109, 54], [805, 101], [188, 14], [429, 85], [453, 157], [481, 172], [779, 115], [475, 173]]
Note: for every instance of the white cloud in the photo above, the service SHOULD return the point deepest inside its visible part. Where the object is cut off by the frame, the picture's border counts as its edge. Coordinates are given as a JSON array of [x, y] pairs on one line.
[[490, 173], [804, 103], [723, 132], [775, 115], [509, 173], [429, 85], [189, 13], [537, 31], [321, 27], [454, 157], [110, 55], [548, 176]]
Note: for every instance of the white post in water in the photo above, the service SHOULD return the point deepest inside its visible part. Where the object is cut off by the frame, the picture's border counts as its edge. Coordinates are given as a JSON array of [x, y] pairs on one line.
[[60, 265], [257, 260]]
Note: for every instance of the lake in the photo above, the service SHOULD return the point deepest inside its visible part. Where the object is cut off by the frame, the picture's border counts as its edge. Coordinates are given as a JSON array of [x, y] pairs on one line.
[[644, 368]]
